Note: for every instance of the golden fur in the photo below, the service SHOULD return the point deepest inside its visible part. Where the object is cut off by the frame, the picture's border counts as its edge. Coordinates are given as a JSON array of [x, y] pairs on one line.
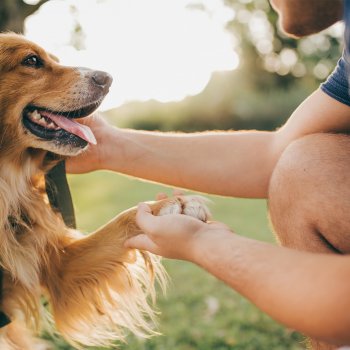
[[95, 288]]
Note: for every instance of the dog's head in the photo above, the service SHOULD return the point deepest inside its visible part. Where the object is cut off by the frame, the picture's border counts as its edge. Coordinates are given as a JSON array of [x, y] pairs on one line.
[[40, 99]]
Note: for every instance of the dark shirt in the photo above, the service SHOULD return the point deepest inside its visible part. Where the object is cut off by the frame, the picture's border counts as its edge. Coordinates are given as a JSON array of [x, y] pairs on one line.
[[337, 84]]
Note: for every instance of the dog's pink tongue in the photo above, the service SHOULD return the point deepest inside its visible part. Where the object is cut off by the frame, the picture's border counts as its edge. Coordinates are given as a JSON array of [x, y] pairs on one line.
[[70, 125]]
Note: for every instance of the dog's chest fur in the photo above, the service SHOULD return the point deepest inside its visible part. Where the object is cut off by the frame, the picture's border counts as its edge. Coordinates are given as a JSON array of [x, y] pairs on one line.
[[28, 225]]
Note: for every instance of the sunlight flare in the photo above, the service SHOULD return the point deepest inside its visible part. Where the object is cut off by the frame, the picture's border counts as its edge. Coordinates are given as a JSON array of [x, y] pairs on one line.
[[155, 49]]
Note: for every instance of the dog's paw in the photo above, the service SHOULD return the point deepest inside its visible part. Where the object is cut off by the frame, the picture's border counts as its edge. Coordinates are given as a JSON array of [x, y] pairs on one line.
[[194, 206]]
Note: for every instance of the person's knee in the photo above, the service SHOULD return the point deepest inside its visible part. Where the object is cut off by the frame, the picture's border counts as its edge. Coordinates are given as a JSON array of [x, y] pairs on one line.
[[308, 181], [287, 182], [310, 161], [297, 163]]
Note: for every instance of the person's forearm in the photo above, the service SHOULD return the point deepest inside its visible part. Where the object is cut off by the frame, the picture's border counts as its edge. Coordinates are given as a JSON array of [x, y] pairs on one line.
[[238, 163], [307, 292], [224, 163]]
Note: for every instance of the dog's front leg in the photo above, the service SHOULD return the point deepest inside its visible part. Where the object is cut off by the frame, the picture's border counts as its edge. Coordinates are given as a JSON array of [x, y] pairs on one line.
[[103, 287]]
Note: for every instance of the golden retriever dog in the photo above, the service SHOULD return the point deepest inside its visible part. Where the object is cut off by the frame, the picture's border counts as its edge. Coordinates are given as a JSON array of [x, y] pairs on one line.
[[92, 288]]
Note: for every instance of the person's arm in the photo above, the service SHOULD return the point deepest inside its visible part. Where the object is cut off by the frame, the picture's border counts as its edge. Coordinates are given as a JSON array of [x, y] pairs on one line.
[[304, 291], [227, 163]]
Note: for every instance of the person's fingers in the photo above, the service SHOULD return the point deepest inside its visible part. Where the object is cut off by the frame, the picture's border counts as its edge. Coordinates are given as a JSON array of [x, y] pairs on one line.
[[87, 120], [145, 219], [82, 164], [141, 242], [91, 119], [161, 196], [178, 192]]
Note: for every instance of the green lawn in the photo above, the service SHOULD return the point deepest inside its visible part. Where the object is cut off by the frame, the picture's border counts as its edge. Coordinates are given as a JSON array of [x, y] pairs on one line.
[[199, 312]]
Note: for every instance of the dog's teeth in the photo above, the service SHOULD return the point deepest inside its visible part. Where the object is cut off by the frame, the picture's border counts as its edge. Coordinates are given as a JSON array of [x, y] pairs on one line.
[[36, 115], [37, 118], [42, 122]]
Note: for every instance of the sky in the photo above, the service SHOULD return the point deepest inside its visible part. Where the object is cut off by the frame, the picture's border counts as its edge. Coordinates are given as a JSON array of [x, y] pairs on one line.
[[154, 49]]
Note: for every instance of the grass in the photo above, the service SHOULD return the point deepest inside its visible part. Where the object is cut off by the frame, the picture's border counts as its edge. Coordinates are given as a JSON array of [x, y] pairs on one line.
[[198, 312]]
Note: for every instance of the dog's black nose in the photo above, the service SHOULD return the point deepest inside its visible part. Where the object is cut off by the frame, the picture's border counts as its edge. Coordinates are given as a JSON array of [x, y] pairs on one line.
[[102, 79]]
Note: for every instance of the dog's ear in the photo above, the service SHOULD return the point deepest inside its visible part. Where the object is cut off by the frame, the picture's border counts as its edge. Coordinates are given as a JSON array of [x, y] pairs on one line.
[[55, 58]]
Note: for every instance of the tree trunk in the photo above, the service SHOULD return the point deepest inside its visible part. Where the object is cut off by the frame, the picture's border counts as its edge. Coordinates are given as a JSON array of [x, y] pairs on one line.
[[13, 14]]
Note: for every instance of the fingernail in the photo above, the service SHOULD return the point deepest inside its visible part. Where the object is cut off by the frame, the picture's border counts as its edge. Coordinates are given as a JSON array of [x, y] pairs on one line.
[[142, 205]]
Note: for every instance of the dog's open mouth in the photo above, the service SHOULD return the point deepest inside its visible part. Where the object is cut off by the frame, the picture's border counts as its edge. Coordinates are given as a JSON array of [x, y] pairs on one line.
[[59, 126]]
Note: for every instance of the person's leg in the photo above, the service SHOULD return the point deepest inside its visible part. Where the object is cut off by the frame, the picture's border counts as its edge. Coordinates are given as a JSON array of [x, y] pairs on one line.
[[309, 196]]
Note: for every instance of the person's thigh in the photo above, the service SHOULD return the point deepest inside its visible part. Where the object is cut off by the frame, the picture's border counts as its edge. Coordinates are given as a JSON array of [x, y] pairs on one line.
[[309, 195]]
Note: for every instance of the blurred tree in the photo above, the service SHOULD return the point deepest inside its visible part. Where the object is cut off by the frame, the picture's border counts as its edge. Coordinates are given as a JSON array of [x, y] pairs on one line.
[[275, 74], [259, 39], [14, 12]]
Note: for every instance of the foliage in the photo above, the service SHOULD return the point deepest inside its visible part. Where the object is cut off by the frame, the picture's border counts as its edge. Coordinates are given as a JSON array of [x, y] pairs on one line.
[[267, 48], [230, 101], [14, 12], [275, 74]]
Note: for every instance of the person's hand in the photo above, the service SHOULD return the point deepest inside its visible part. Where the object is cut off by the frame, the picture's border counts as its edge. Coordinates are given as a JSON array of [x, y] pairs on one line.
[[91, 159], [174, 236]]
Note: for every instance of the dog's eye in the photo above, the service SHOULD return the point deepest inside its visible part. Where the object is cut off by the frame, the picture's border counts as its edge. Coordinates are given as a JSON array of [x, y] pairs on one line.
[[32, 61]]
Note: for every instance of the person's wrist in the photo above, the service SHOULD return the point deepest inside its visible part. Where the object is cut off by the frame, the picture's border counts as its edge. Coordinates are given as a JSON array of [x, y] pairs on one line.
[[205, 242], [108, 148], [196, 247]]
